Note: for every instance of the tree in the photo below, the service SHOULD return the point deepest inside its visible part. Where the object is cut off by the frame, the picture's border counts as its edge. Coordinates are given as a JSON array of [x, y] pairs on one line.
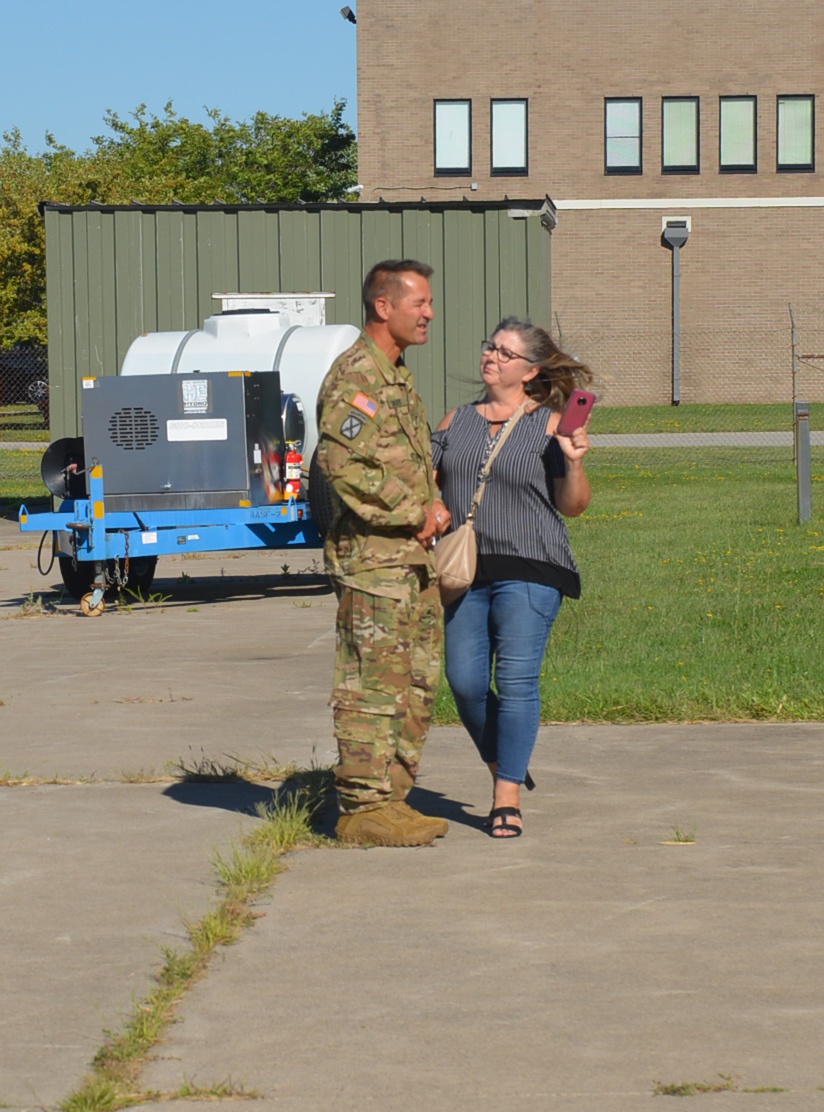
[[269, 158], [312, 159], [158, 160], [25, 180]]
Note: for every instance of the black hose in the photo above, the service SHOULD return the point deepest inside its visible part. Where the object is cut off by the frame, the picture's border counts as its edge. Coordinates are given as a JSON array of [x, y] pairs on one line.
[[40, 553]]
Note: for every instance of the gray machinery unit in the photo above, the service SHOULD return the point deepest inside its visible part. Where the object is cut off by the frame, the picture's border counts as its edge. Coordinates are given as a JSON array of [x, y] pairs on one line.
[[200, 441]]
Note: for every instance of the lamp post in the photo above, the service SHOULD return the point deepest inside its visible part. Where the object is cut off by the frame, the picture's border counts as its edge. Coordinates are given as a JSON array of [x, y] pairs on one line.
[[674, 236]]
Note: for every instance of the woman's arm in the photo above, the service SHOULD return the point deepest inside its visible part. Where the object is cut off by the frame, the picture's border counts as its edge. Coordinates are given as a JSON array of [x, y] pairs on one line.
[[571, 492], [444, 424]]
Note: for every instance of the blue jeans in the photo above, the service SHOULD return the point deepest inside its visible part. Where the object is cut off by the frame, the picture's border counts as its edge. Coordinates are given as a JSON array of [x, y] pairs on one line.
[[500, 629]]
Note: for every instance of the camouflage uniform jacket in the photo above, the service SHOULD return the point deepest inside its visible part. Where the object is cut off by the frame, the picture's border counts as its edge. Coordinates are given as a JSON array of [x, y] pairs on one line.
[[374, 448]]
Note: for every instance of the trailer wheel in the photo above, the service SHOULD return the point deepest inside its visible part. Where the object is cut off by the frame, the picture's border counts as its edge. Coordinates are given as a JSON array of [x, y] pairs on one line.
[[90, 610], [78, 578], [321, 497]]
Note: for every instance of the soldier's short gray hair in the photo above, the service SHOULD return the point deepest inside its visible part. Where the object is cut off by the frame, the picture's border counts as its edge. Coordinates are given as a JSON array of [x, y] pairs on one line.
[[384, 280]]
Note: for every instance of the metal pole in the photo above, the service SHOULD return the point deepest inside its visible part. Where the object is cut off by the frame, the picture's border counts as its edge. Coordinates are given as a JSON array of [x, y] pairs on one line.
[[803, 465], [676, 326], [674, 236], [793, 343]]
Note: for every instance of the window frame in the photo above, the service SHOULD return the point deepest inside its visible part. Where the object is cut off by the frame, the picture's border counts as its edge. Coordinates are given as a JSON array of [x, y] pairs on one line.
[[639, 168], [738, 167], [508, 171], [794, 167], [452, 171], [682, 167]]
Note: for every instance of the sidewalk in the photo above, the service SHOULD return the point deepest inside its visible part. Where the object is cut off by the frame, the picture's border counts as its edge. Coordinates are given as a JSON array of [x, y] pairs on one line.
[[568, 970]]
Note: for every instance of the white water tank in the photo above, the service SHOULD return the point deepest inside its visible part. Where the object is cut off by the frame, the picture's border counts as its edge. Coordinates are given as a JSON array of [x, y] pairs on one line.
[[254, 332]]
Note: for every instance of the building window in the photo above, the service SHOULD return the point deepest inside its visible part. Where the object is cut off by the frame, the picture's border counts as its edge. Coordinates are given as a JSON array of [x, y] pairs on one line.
[[737, 135], [508, 127], [796, 127], [453, 136], [622, 135], [679, 135]]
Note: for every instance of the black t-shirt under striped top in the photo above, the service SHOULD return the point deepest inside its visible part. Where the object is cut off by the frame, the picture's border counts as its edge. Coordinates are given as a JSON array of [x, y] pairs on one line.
[[520, 533]]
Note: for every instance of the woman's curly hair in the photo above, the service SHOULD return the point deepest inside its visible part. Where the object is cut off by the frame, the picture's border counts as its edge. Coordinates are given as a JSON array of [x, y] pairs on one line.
[[558, 373]]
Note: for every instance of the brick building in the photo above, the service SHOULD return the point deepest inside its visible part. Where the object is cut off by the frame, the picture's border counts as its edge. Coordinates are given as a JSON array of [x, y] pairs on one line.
[[628, 115]]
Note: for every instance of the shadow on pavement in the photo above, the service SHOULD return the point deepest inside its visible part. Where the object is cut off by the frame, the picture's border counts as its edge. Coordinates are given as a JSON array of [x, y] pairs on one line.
[[440, 805], [170, 593], [234, 795], [244, 797]]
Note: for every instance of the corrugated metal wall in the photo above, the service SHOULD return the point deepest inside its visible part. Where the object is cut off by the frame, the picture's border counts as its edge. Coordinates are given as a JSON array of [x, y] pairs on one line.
[[114, 273]]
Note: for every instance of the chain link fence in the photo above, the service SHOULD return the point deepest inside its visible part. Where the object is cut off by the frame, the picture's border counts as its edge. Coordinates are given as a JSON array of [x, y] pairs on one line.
[[24, 421], [731, 400]]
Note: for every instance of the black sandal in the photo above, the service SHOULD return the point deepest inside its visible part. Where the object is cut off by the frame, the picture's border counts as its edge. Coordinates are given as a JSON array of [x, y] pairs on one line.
[[529, 784], [501, 813]]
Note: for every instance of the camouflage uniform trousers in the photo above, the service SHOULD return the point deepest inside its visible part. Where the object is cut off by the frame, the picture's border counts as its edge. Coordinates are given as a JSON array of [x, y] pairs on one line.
[[387, 667]]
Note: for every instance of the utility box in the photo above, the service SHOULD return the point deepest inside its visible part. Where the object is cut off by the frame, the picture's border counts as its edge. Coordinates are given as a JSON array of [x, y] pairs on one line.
[[188, 441]]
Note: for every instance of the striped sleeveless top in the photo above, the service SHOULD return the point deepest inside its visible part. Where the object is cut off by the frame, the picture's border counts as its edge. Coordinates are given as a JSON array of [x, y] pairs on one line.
[[519, 532]]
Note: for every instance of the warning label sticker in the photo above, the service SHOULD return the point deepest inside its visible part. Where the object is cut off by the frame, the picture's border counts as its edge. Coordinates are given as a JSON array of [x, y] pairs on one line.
[[211, 428]]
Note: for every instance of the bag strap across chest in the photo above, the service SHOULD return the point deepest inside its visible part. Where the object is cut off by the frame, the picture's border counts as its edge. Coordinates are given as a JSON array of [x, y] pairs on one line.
[[499, 443]]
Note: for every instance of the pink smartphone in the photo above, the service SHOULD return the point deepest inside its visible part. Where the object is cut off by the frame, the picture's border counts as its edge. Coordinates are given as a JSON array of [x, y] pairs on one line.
[[576, 411]]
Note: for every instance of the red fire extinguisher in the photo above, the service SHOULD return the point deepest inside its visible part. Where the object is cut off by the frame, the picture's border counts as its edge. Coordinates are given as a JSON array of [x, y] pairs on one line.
[[292, 465]]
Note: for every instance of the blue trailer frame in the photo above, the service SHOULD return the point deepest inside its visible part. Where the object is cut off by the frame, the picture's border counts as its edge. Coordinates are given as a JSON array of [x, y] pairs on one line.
[[86, 532]]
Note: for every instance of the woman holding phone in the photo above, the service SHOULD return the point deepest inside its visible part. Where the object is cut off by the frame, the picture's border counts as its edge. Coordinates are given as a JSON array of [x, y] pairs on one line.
[[498, 630]]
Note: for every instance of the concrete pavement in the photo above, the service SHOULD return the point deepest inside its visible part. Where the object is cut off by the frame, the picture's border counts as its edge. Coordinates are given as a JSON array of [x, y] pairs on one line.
[[571, 969]]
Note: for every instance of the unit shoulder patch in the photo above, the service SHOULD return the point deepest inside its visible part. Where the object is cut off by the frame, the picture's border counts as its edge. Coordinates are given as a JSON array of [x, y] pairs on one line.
[[351, 425]]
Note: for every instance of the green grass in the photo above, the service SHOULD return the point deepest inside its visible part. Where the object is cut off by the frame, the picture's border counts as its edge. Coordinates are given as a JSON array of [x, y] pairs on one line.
[[702, 598], [697, 418], [20, 481], [22, 422]]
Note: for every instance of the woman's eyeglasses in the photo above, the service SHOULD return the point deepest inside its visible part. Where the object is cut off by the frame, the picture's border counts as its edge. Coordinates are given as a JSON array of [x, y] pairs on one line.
[[504, 356]]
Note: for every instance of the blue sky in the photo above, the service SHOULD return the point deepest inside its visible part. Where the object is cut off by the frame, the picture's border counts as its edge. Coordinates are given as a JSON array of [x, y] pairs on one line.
[[63, 63]]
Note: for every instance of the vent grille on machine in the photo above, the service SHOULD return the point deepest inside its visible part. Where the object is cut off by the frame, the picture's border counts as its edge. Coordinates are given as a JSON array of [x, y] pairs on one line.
[[133, 428]]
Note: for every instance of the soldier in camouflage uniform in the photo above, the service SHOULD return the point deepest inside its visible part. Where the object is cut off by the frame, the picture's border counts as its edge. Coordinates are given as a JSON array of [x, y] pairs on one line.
[[374, 449]]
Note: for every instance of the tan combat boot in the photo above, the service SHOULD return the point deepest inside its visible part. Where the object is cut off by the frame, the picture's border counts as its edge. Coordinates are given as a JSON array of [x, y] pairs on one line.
[[390, 825], [440, 826]]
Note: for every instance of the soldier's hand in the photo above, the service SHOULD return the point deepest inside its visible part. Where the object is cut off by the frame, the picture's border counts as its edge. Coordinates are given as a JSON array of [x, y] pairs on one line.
[[437, 521], [443, 518]]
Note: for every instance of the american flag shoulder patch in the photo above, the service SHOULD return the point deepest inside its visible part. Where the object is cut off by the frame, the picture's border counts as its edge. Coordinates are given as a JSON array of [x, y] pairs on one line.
[[365, 404]]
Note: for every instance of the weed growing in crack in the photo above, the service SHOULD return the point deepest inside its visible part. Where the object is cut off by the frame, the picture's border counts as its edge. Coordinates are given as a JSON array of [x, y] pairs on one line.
[[726, 1084], [154, 600], [36, 606], [230, 767], [683, 837]]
